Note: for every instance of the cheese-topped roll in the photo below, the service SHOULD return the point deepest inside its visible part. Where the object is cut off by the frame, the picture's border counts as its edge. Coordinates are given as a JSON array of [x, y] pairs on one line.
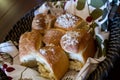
[[52, 62], [69, 21], [79, 44]]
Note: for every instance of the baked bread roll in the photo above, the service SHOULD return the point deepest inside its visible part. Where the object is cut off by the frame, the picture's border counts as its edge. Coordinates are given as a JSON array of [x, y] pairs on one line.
[[52, 62], [29, 44], [43, 22], [69, 21], [53, 36], [79, 44]]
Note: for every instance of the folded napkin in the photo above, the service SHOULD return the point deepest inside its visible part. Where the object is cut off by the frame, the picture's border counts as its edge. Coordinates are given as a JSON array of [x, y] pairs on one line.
[[88, 68], [18, 72], [15, 70], [10, 48]]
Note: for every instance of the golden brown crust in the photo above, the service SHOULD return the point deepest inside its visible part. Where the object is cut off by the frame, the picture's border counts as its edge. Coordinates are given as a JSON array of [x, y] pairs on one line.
[[57, 60], [43, 22], [90, 50], [53, 36], [84, 39], [29, 43]]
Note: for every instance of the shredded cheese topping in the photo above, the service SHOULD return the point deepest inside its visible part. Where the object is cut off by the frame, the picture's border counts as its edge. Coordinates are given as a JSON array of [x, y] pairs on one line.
[[67, 20], [70, 38]]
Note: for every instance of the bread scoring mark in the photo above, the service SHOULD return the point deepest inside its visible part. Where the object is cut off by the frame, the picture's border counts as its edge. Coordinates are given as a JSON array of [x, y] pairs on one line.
[[70, 38], [67, 20]]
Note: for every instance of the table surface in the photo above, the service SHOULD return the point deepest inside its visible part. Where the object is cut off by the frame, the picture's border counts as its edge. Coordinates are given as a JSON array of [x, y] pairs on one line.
[[12, 10]]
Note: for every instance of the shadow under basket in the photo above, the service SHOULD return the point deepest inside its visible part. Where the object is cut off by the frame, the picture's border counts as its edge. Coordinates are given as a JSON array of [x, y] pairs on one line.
[[113, 49]]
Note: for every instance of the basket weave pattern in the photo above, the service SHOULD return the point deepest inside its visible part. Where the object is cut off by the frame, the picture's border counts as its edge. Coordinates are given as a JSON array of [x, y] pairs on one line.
[[113, 50]]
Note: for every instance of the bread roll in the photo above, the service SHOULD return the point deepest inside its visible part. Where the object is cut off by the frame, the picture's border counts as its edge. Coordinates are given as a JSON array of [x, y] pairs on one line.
[[52, 62], [79, 44], [53, 36], [68, 21], [29, 44], [43, 22]]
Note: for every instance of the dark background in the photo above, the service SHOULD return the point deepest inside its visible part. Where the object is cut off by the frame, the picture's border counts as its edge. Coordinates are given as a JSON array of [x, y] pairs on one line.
[[11, 11]]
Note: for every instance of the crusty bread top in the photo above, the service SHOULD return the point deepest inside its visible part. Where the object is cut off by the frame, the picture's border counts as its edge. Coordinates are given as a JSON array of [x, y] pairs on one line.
[[43, 21], [55, 58], [53, 36], [29, 42], [73, 40]]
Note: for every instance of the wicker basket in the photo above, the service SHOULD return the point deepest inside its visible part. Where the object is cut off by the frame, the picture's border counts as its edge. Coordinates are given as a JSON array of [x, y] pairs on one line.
[[113, 50]]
